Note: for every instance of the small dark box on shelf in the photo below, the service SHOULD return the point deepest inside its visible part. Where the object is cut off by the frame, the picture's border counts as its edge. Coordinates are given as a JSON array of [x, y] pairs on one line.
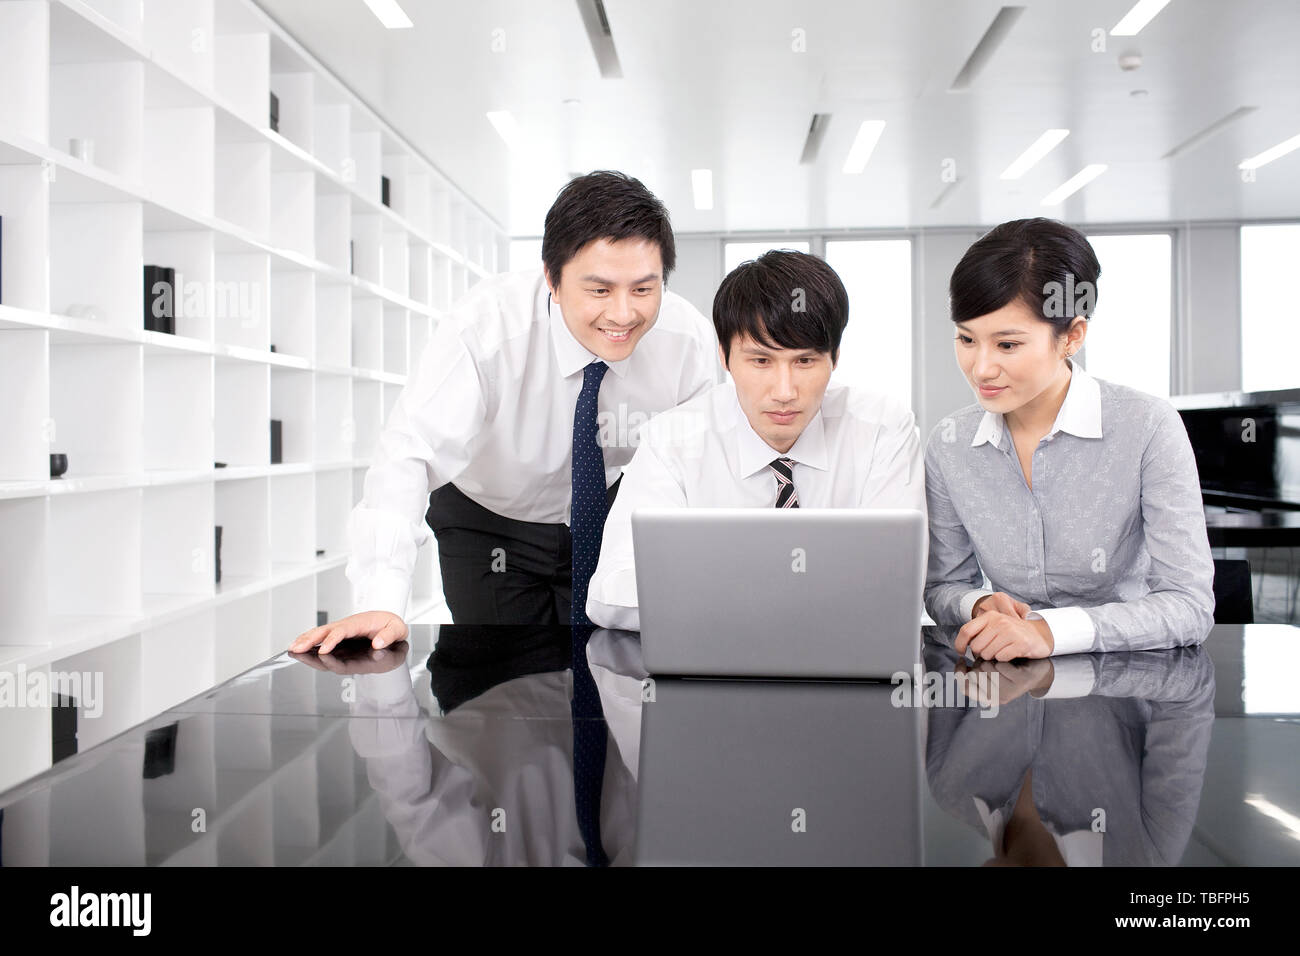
[[277, 442], [322, 618], [275, 113], [217, 553], [63, 727], [159, 299], [384, 194]]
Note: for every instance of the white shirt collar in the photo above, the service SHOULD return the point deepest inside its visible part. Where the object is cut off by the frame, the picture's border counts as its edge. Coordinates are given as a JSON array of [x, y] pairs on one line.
[[572, 355], [1080, 413], [755, 454]]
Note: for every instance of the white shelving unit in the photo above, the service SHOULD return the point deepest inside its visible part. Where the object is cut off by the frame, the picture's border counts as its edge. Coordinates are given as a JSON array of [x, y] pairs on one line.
[[299, 297]]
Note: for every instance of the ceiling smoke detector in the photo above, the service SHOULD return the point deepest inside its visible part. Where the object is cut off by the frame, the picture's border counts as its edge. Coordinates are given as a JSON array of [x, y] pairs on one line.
[[1128, 62]]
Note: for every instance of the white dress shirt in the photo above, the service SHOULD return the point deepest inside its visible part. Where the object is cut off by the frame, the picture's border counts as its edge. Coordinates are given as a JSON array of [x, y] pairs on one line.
[[1108, 546], [490, 408], [861, 450]]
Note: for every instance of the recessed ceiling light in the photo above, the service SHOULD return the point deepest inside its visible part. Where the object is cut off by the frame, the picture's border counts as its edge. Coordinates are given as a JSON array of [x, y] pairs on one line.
[[1278, 151], [1074, 184], [1143, 12], [504, 123], [1040, 148], [390, 14], [863, 144], [702, 187]]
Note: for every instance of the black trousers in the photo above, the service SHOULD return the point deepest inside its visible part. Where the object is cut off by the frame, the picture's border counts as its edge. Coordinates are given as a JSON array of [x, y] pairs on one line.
[[499, 570]]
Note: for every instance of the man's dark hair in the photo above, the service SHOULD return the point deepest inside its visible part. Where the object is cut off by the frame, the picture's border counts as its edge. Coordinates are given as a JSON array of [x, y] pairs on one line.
[[1034, 261], [608, 205], [782, 299]]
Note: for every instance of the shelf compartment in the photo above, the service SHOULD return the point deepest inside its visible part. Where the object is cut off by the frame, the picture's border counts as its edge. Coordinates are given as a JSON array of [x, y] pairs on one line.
[[293, 312], [177, 541], [333, 508], [243, 419], [25, 236], [24, 68], [191, 253], [335, 428], [295, 91], [293, 610], [333, 229], [96, 407], [293, 212], [180, 32], [241, 509], [333, 324], [367, 410], [24, 598], [95, 262], [243, 635], [176, 664], [367, 247], [178, 412], [179, 144], [241, 300], [100, 102], [291, 405], [421, 332], [242, 192], [395, 263], [395, 344], [332, 139], [109, 679], [241, 74], [93, 554], [367, 332], [334, 593], [25, 398]]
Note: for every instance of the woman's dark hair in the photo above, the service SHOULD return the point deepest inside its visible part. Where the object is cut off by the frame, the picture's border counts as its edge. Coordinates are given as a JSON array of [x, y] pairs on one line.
[[604, 205], [1045, 264], [782, 299]]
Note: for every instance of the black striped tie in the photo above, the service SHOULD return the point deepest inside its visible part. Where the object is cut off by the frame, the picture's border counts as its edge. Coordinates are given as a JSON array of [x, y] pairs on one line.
[[785, 493]]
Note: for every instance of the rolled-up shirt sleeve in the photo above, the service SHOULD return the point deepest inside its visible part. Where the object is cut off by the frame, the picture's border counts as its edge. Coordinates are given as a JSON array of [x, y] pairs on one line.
[[648, 482], [425, 444]]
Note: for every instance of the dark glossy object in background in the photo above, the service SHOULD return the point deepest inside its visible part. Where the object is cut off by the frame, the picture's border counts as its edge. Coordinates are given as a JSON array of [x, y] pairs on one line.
[[277, 441], [217, 553], [58, 465]]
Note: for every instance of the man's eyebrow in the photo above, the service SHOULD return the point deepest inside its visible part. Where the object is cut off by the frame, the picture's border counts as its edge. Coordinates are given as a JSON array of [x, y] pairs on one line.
[[653, 276]]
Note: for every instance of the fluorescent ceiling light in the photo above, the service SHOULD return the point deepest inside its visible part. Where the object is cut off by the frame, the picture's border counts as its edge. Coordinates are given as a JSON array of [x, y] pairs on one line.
[[1074, 184], [1278, 151], [702, 187], [1040, 148], [506, 127], [1143, 12], [863, 144], [390, 14]]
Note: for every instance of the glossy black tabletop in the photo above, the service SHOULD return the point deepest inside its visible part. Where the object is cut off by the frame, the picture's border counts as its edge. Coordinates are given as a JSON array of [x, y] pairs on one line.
[[458, 747]]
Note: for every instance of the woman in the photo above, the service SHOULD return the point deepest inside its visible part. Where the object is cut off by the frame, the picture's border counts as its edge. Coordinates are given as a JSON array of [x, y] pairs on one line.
[[1074, 496]]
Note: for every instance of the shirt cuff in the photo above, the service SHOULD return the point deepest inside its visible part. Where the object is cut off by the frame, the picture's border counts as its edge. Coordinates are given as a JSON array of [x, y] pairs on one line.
[[1072, 676], [385, 591], [967, 606], [1072, 629]]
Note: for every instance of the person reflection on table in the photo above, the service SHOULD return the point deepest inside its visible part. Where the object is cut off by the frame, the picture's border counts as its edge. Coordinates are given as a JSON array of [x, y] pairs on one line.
[[780, 434], [1074, 496], [484, 776], [1092, 759]]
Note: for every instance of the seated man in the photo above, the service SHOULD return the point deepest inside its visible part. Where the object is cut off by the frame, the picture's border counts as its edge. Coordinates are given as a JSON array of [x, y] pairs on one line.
[[778, 435]]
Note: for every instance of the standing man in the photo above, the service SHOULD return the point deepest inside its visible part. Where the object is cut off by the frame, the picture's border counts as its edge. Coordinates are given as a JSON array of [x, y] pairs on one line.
[[524, 409]]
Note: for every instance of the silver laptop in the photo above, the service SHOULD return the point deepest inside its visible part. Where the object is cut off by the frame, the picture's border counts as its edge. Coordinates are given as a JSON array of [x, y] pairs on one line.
[[806, 593]]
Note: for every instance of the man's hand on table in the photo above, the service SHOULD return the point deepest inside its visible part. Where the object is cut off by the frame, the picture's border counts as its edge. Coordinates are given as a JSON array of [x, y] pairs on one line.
[[382, 628]]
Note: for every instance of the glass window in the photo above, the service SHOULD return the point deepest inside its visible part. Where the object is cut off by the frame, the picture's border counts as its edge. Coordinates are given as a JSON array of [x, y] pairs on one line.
[[876, 351], [1268, 256], [1128, 337], [525, 254]]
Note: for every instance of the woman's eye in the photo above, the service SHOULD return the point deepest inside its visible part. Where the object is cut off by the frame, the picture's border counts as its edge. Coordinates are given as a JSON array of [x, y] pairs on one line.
[[1009, 345], [964, 340]]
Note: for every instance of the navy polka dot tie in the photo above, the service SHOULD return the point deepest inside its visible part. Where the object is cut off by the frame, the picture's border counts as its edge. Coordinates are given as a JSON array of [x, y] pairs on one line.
[[785, 493], [589, 504]]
